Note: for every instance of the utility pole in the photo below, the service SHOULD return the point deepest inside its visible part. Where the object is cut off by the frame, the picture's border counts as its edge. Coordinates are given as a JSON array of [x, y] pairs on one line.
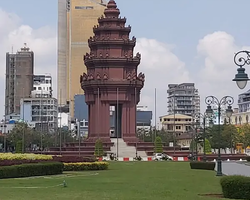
[[24, 127]]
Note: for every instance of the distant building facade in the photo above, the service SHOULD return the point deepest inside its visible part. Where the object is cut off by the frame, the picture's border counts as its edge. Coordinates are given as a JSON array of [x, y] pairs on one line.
[[183, 99], [41, 113], [19, 78], [244, 102], [42, 86], [177, 123], [76, 19]]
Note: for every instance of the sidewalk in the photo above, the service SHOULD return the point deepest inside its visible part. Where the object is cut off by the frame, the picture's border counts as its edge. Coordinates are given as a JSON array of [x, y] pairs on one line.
[[233, 168]]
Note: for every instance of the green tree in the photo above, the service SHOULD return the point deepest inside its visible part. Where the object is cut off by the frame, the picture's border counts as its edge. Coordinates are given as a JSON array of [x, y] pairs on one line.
[[98, 148], [229, 135], [208, 148], [158, 145], [245, 135], [19, 132], [214, 137]]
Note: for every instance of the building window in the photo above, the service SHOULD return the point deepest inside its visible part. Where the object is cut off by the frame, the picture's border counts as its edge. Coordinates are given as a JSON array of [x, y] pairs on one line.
[[178, 127], [84, 7]]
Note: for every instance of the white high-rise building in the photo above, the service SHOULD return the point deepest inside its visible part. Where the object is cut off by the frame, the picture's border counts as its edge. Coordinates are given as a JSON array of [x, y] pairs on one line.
[[42, 86], [183, 99]]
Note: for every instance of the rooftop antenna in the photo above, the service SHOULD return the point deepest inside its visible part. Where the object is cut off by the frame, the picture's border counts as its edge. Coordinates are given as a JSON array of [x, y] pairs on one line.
[[12, 51]]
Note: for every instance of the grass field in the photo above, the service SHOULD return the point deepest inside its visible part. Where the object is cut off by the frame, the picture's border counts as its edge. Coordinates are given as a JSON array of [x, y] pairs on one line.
[[123, 180]]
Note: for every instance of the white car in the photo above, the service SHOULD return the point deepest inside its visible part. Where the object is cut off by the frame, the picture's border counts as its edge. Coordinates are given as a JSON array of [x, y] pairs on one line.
[[162, 156]]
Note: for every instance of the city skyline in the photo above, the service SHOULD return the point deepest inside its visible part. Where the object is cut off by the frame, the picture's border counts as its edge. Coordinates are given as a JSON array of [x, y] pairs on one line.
[[199, 49]]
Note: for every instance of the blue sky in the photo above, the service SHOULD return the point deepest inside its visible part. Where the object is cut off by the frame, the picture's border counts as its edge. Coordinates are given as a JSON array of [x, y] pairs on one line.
[[180, 26], [177, 22]]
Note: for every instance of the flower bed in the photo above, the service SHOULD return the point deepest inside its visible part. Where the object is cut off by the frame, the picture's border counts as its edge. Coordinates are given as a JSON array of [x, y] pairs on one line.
[[85, 166], [25, 156], [8, 159]]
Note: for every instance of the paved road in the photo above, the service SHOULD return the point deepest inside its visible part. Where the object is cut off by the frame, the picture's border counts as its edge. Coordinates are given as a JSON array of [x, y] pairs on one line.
[[234, 168]]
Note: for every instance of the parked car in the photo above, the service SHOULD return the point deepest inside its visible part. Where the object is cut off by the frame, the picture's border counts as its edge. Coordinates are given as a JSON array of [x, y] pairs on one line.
[[162, 156]]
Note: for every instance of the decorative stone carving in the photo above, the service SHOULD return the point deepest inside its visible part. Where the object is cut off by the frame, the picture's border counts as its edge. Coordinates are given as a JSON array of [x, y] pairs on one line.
[[129, 76], [100, 54], [86, 56], [98, 76], [134, 76], [105, 76], [83, 77], [141, 77], [138, 55], [107, 54], [133, 39], [90, 77]]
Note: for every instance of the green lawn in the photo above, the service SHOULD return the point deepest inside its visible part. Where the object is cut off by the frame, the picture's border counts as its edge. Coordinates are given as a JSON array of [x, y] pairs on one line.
[[123, 180]]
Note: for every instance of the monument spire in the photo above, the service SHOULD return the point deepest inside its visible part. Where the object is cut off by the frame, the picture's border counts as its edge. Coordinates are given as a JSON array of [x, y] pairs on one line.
[[111, 67]]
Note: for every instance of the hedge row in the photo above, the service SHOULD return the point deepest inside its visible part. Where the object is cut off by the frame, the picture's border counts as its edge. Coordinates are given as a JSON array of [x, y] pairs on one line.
[[19, 162], [202, 165], [235, 187], [248, 158], [73, 159], [85, 166], [27, 170]]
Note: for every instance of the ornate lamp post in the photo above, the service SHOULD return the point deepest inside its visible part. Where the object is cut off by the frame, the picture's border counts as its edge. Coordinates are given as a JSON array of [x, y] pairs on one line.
[[240, 59], [212, 100], [204, 116]]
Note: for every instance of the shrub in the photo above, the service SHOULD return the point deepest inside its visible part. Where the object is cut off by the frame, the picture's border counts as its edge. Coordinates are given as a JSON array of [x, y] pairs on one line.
[[25, 156], [19, 162], [85, 166], [248, 158], [19, 146], [235, 187], [26, 170], [202, 165], [98, 148], [73, 159], [158, 145]]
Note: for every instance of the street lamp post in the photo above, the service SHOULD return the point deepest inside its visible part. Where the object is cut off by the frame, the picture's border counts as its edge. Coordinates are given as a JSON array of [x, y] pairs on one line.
[[241, 59], [212, 100], [199, 116]]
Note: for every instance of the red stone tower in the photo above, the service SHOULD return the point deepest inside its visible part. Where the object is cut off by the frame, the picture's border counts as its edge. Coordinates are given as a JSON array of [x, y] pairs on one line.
[[111, 78]]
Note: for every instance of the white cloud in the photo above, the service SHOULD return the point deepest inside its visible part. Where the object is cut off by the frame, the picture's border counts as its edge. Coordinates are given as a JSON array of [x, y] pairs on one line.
[[215, 75], [42, 41], [161, 67]]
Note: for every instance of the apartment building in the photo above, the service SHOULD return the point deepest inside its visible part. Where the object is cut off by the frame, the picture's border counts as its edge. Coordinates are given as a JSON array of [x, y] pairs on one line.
[[183, 99], [19, 78]]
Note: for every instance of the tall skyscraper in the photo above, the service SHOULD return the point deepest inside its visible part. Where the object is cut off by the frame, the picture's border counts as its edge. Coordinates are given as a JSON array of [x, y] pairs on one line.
[[183, 99], [19, 78], [76, 19]]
